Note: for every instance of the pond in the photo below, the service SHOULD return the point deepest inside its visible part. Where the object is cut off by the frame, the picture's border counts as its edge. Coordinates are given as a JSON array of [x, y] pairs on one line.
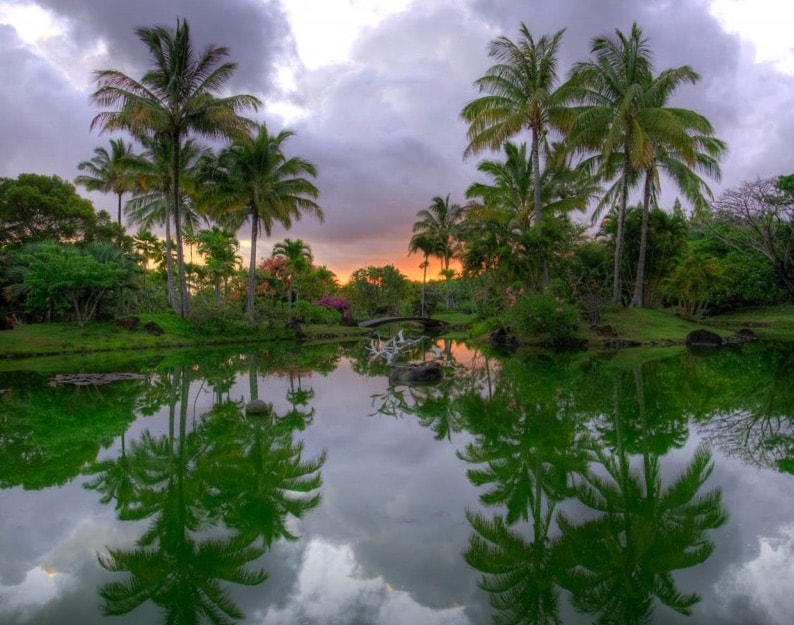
[[524, 488]]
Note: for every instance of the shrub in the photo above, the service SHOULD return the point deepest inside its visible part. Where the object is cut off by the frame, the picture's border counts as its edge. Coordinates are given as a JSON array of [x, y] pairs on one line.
[[218, 319], [543, 315], [305, 312]]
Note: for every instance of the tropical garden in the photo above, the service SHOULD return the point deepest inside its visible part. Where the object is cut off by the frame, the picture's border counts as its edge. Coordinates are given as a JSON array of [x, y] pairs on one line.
[[593, 198]]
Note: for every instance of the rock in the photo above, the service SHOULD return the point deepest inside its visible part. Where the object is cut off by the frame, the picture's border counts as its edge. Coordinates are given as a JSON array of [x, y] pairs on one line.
[[295, 326], [416, 373], [746, 335], [152, 328], [258, 408], [93, 379], [500, 339], [703, 338], [128, 323]]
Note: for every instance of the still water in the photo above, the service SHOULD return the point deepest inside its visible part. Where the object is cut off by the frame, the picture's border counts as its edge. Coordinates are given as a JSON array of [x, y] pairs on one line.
[[519, 489]]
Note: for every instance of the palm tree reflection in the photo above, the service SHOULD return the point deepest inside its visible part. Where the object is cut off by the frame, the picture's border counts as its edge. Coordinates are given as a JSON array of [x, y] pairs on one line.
[[216, 496], [539, 448]]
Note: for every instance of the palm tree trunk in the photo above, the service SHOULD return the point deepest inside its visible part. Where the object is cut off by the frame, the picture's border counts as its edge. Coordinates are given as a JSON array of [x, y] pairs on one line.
[[249, 305], [639, 287], [184, 305], [169, 264], [119, 207], [544, 267], [617, 285]]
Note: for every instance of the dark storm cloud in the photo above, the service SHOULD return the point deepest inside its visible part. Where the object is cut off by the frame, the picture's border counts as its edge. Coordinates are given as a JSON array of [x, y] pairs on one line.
[[383, 128], [255, 32]]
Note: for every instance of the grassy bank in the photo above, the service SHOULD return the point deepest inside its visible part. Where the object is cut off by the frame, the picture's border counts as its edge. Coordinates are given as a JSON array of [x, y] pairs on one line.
[[46, 339], [632, 326]]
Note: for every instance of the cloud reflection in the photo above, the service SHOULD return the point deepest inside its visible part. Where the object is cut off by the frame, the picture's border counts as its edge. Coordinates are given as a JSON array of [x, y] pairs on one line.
[[331, 588], [760, 589]]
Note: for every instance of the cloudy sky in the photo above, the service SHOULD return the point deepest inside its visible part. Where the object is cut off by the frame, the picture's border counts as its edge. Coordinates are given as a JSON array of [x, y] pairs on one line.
[[373, 89]]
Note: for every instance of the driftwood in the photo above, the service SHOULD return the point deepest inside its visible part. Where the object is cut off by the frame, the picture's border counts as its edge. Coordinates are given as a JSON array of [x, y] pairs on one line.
[[93, 379]]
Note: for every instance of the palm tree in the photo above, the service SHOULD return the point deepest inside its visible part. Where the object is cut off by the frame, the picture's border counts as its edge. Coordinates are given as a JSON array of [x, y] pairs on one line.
[[421, 242], [173, 99], [152, 201], [624, 119], [256, 182], [106, 171], [509, 198], [522, 94], [679, 154], [439, 226], [298, 257], [219, 249]]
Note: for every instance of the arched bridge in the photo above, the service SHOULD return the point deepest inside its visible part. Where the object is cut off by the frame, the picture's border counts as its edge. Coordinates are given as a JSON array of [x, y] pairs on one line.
[[427, 321]]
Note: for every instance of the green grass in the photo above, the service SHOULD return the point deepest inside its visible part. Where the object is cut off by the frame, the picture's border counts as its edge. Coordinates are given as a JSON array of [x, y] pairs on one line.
[[647, 327]]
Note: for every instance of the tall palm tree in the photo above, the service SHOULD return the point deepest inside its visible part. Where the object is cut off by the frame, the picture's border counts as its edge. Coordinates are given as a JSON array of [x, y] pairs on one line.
[[523, 93], [509, 196], [421, 242], [439, 226], [624, 120], [298, 257], [152, 201], [177, 96], [256, 182], [106, 171], [683, 146]]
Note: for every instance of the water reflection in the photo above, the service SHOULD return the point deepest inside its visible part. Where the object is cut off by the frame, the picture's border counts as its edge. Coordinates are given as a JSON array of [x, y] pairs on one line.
[[242, 477], [540, 443], [576, 490]]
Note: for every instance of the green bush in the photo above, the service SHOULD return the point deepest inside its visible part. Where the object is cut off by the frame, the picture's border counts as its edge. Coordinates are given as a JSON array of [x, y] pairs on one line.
[[218, 319], [305, 312], [545, 316]]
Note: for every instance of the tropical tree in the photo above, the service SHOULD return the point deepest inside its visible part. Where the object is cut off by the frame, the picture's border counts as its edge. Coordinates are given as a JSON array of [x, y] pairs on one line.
[[255, 182], [438, 228], [523, 94], [36, 208], [613, 121], [152, 201], [219, 249], [683, 144], [107, 172], [298, 257], [177, 96], [509, 196], [422, 242]]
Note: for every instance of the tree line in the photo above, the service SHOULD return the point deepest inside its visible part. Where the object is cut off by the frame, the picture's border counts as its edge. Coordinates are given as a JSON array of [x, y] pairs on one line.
[[598, 139]]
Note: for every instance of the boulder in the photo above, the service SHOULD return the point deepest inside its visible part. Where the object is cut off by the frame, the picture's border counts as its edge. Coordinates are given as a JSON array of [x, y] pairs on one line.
[[416, 373], [153, 328], [128, 323], [746, 335], [703, 338], [500, 339], [258, 408]]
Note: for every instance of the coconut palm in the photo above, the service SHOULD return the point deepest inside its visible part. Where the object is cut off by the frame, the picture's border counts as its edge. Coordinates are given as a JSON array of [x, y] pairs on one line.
[[298, 257], [106, 171], [152, 201], [256, 182], [523, 93], [509, 197], [682, 147], [439, 226], [177, 96], [421, 242], [623, 117]]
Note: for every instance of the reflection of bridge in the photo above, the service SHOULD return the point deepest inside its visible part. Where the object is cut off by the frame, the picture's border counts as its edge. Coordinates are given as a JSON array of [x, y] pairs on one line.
[[426, 321]]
